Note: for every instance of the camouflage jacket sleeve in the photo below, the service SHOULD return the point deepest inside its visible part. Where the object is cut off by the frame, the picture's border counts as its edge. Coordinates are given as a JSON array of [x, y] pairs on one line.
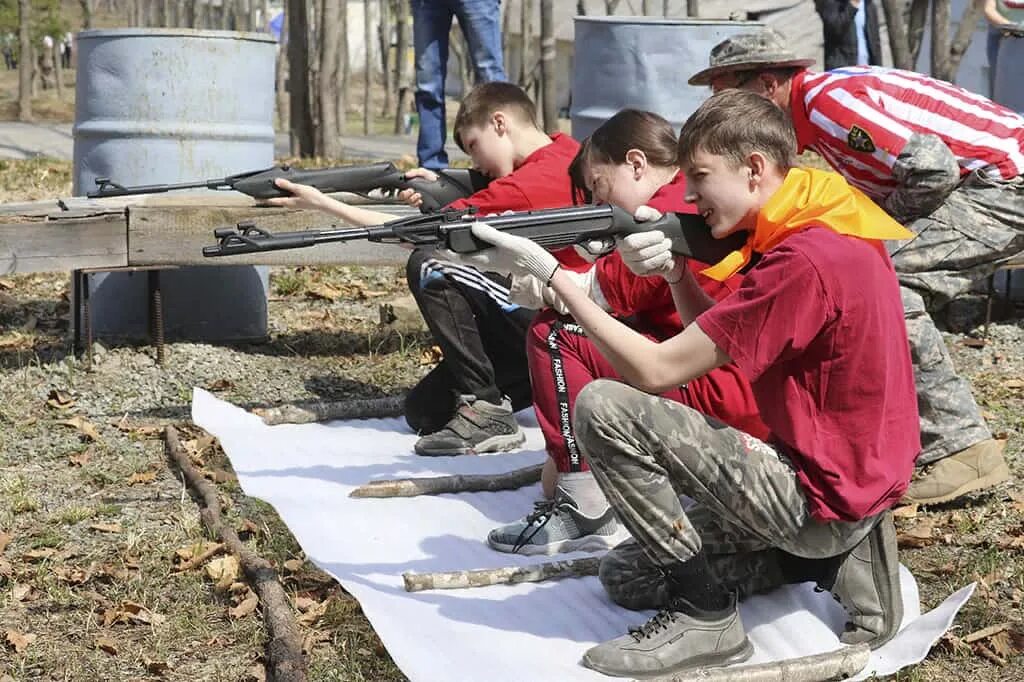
[[927, 171]]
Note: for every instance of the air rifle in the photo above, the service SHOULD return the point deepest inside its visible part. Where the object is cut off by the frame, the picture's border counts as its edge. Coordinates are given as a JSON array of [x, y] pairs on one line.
[[451, 183], [553, 229]]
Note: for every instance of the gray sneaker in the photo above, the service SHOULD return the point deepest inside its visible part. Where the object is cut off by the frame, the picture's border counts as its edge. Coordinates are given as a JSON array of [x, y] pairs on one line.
[[868, 587], [478, 426], [678, 638], [557, 526]]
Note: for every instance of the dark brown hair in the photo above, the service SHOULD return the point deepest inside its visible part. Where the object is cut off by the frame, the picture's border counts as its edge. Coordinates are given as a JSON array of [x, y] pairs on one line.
[[735, 123], [628, 129], [483, 100]]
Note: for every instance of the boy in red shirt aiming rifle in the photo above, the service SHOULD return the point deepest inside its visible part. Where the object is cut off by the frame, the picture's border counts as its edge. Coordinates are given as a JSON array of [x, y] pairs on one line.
[[817, 327]]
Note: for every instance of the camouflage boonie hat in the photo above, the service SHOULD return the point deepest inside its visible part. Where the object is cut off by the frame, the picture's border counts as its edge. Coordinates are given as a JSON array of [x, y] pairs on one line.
[[765, 49]]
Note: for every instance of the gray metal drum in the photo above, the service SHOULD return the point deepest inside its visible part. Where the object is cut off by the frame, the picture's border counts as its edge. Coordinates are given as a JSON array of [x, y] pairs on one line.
[[165, 106], [642, 63], [1009, 81]]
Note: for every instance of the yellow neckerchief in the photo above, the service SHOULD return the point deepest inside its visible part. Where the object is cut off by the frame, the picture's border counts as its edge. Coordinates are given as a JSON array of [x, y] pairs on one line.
[[810, 197]]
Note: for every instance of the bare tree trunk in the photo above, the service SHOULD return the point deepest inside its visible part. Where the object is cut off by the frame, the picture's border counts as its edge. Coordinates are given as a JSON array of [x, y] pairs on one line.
[[26, 64], [648, 8], [300, 115], [964, 34], [86, 6], [58, 71], [897, 33], [547, 65], [610, 6], [384, 32], [345, 70], [693, 8], [581, 8], [281, 79], [330, 145], [915, 31], [187, 13], [940, 39], [368, 64], [402, 68], [506, 43], [526, 37]]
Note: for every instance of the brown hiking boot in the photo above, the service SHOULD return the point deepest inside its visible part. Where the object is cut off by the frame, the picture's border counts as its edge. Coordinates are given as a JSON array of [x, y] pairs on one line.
[[868, 587], [978, 467]]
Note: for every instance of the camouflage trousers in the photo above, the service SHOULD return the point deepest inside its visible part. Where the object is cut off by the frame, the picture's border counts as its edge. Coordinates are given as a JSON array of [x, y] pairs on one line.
[[979, 225], [646, 451], [962, 241], [950, 418]]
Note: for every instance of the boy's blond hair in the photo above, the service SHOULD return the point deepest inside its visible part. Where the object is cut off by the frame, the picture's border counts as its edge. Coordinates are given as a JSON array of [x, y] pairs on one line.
[[735, 123], [483, 100]]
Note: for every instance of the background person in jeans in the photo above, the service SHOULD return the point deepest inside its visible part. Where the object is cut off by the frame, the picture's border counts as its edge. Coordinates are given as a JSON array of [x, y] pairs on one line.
[[480, 22]]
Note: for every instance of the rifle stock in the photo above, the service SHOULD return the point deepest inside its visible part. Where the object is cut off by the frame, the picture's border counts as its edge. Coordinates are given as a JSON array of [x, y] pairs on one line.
[[551, 228]]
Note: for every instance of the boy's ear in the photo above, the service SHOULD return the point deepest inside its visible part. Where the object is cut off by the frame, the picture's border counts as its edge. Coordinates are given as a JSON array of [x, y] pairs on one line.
[[637, 161], [500, 122], [757, 165]]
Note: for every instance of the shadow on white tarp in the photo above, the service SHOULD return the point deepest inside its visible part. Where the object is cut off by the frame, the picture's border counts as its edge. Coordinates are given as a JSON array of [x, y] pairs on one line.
[[531, 632]]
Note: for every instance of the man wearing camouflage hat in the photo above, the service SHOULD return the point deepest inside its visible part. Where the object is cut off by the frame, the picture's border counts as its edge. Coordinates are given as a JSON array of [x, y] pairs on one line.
[[946, 163]]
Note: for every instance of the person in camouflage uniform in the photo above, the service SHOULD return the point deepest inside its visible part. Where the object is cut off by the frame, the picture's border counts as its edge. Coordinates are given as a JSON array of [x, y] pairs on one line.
[[944, 162], [811, 326]]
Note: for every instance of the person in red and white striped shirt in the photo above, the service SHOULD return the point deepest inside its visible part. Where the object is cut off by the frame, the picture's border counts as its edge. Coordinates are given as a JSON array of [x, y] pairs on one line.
[[945, 162]]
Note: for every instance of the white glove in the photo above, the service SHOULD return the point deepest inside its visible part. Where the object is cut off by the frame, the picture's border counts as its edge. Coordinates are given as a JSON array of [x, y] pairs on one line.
[[530, 292], [512, 255], [647, 253]]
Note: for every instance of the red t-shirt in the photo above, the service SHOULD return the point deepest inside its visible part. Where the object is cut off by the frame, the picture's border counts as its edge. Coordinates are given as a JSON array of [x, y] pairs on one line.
[[540, 181], [817, 326], [723, 393]]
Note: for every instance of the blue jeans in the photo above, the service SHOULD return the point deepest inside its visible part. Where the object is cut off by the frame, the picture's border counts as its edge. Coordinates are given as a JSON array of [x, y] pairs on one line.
[[480, 21]]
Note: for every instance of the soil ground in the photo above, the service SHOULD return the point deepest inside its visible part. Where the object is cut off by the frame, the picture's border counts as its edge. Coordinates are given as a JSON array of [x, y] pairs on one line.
[[94, 522]]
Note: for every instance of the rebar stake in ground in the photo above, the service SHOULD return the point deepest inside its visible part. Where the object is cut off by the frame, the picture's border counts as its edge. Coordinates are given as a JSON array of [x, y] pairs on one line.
[[284, 659]]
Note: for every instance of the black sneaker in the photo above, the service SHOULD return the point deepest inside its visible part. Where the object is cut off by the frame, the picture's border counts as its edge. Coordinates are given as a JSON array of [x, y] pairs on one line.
[[678, 638], [478, 426]]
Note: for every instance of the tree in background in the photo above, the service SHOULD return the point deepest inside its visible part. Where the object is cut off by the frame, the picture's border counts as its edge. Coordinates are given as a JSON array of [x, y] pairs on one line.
[[906, 21]]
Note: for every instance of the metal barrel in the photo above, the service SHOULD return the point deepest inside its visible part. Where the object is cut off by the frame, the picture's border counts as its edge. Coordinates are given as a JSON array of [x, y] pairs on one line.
[[167, 106], [641, 63]]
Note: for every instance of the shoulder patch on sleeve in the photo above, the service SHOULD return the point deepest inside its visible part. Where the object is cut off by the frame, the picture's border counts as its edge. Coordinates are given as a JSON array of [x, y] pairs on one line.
[[859, 140]]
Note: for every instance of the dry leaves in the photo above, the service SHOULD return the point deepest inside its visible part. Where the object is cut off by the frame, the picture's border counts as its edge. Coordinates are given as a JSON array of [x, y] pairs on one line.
[[311, 609], [19, 641], [919, 535], [155, 667], [106, 645], [192, 556], [246, 601], [132, 613], [223, 571], [294, 565], [5, 539], [86, 428], [81, 458], [143, 477], [431, 356], [38, 554], [60, 400], [106, 527], [220, 385]]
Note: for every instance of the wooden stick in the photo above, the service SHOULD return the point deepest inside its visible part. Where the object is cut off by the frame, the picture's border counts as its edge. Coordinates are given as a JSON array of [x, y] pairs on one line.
[[512, 575], [317, 411], [285, 662], [838, 664], [457, 483]]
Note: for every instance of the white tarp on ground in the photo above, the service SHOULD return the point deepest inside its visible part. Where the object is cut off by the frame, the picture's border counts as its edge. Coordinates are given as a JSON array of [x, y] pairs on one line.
[[519, 632]]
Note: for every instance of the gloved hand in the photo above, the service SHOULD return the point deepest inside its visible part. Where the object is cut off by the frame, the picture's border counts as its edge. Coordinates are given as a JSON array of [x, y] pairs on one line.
[[529, 292], [512, 255], [647, 253]]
